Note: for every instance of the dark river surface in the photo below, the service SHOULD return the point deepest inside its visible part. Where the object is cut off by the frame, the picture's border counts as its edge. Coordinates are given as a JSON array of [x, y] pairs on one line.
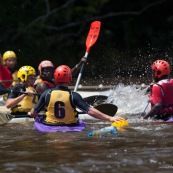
[[140, 147]]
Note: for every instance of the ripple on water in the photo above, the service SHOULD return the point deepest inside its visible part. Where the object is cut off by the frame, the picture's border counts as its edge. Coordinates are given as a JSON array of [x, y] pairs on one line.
[[140, 147]]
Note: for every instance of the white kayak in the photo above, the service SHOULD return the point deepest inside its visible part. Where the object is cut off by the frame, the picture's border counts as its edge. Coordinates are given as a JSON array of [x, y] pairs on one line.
[[84, 94], [6, 117], [4, 110]]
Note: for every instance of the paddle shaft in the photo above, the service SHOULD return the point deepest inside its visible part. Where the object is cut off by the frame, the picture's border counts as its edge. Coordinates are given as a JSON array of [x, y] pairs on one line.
[[3, 81], [143, 112], [80, 73], [109, 109], [23, 92], [4, 90]]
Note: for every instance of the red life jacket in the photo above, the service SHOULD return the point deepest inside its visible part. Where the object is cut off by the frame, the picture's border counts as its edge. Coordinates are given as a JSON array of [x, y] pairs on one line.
[[5, 74], [162, 91], [49, 84]]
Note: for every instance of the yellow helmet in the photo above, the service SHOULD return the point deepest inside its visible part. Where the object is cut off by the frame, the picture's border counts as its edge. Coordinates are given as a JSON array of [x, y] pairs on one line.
[[24, 72], [9, 54]]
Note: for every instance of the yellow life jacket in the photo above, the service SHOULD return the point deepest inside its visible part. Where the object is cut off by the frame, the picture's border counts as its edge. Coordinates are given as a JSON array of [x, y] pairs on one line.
[[60, 109], [27, 103], [39, 80], [15, 78]]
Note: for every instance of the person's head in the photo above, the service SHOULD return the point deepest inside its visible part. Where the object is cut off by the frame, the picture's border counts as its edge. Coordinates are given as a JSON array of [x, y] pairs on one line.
[[46, 69], [9, 59], [27, 74], [63, 74], [161, 69]]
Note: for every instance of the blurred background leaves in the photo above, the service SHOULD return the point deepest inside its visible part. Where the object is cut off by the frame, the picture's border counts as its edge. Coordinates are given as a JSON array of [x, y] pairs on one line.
[[133, 33]]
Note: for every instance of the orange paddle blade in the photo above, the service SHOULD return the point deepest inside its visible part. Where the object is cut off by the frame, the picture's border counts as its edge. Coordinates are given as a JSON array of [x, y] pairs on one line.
[[93, 34]]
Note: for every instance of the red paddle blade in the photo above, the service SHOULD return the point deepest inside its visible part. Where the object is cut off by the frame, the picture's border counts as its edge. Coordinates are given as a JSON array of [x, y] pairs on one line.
[[93, 34]]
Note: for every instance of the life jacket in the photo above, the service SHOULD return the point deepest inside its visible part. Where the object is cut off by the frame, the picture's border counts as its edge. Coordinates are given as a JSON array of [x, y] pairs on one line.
[[60, 110], [166, 87], [49, 84], [14, 74], [5, 74], [27, 103]]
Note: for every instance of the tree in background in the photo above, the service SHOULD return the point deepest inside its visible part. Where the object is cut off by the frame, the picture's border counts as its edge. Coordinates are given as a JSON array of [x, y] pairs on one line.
[[132, 33]]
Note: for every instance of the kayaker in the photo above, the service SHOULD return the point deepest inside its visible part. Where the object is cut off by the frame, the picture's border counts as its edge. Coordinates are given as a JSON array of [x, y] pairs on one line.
[[5, 75], [10, 61], [161, 92], [61, 103], [45, 79], [20, 103]]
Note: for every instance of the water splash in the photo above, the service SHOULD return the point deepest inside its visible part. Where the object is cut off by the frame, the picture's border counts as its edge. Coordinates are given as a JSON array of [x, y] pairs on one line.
[[129, 99]]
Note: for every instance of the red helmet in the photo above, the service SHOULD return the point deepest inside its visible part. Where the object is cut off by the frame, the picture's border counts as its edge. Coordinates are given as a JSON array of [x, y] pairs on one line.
[[44, 64], [63, 74], [160, 68]]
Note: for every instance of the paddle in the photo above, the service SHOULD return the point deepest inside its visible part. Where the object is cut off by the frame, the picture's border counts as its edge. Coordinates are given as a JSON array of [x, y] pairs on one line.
[[107, 108], [3, 81], [96, 99], [4, 90], [111, 110], [91, 39], [90, 100], [5, 118], [143, 112]]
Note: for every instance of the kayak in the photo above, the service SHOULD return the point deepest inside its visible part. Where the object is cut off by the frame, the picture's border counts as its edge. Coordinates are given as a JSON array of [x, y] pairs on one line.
[[24, 118], [21, 120], [6, 117], [53, 129], [89, 97], [105, 108], [169, 121]]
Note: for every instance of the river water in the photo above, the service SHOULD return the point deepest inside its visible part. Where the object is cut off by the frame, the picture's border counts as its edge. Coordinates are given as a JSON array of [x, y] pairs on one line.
[[140, 147]]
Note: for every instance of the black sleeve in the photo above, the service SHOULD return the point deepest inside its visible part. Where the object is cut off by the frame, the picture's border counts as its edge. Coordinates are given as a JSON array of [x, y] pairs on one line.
[[17, 88], [41, 102], [79, 102]]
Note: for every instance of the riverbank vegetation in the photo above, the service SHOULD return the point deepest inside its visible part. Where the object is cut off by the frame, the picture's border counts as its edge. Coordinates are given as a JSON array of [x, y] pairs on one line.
[[133, 33]]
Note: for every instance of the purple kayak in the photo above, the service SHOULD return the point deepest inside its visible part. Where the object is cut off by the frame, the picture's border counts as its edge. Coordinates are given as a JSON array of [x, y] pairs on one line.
[[52, 129], [170, 120]]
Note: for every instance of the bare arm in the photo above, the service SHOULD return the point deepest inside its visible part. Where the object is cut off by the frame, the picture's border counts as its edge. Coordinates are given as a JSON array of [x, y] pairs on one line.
[[12, 102], [75, 69], [99, 115], [41, 87], [39, 106], [32, 113], [155, 109]]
